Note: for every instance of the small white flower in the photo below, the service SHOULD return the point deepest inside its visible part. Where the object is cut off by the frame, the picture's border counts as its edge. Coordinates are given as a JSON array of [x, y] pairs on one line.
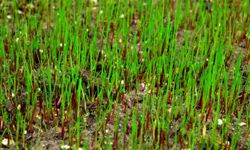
[[149, 91], [122, 16], [220, 122], [19, 12], [17, 39], [5, 142], [12, 95], [242, 124], [206, 59], [19, 107], [122, 82], [38, 117], [40, 50], [9, 16], [107, 131], [142, 87], [120, 40], [61, 44], [65, 147]]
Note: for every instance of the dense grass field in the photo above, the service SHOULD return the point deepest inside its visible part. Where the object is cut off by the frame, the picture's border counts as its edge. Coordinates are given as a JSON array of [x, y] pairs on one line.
[[128, 74]]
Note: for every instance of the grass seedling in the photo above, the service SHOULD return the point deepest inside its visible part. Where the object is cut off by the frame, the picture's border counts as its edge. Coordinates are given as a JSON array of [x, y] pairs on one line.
[[124, 74]]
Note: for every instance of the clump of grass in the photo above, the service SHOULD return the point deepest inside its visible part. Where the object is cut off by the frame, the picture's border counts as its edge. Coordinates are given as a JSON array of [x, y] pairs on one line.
[[125, 74]]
